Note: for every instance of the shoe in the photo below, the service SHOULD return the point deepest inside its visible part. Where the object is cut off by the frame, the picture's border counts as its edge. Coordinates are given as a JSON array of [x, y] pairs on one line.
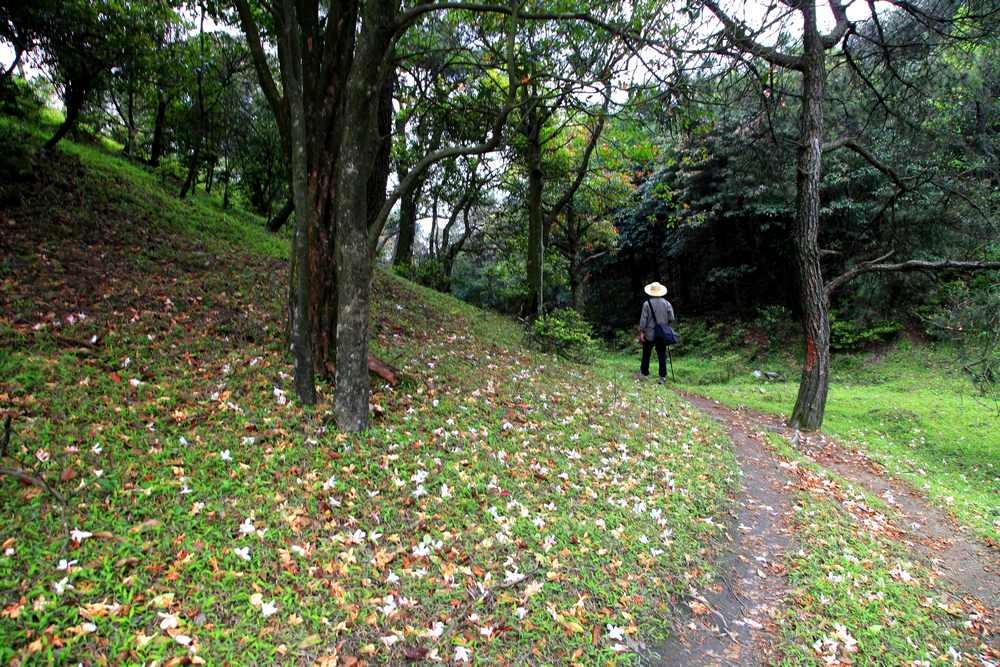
[[662, 380], [641, 377]]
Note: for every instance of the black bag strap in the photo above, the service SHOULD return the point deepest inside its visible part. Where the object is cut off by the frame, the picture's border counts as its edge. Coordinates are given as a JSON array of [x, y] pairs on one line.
[[652, 311]]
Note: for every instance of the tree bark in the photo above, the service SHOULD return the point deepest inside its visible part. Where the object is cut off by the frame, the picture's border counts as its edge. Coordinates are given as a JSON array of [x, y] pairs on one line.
[[811, 402]]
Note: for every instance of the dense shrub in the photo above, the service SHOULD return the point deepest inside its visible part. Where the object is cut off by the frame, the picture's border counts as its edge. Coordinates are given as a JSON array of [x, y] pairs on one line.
[[850, 336], [429, 273], [566, 333]]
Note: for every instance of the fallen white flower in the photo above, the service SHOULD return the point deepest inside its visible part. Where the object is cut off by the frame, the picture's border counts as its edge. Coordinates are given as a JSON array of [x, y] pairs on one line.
[[78, 535]]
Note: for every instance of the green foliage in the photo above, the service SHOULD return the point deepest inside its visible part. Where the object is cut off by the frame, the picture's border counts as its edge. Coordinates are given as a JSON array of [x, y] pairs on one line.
[[701, 338], [22, 98], [850, 336], [15, 159], [564, 332], [777, 324], [429, 273], [626, 341]]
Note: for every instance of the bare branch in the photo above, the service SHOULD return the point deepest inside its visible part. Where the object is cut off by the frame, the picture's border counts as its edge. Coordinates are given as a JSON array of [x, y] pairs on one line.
[[909, 265], [849, 141]]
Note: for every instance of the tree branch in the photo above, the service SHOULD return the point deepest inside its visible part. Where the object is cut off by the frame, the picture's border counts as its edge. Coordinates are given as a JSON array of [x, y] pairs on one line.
[[909, 265], [581, 172], [412, 15], [267, 84], [738, 33], [840, 28], [409, 181], [848, 141]]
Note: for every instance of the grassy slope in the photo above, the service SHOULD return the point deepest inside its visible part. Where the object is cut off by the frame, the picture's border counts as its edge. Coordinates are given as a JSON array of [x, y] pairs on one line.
[[907, 408], [504, 503]]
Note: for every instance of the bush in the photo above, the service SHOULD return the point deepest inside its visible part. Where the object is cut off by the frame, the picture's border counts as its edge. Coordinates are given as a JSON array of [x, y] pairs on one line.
[[21, 98], [429, 273], [566, 333], [626, 341], [848, 336], [777, 324], [700, 338]]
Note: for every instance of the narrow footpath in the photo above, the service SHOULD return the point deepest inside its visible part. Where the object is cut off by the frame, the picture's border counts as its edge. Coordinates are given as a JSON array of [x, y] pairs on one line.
[[733, 624]]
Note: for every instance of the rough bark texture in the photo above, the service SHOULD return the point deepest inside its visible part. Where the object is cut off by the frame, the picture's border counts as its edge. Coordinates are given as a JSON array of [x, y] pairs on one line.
[[811, 401], [362, 173]]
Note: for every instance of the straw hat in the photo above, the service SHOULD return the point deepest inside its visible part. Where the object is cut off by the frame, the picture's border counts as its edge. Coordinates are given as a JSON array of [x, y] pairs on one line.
[[655, 289]]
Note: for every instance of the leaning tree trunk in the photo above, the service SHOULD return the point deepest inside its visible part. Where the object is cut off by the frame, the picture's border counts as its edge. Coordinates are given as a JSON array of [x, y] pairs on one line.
[[811, 402], [75, 98], [281, 217]]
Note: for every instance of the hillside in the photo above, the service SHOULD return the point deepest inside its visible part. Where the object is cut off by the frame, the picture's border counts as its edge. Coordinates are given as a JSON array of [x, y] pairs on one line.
[[166, 500], [505, 505]]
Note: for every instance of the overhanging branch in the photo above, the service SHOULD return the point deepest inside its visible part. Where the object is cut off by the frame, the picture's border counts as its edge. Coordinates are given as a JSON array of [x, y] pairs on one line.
[[876, 265]]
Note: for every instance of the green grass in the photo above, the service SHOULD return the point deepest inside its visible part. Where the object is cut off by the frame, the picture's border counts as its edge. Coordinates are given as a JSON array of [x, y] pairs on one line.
[[504, 503], [908, 408], [860, 595]]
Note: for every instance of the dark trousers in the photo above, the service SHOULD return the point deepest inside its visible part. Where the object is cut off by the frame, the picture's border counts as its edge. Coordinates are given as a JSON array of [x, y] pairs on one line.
[[661, 355]]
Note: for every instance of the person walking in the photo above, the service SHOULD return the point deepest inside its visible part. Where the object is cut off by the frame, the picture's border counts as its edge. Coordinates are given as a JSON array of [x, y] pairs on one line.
[[655, 330]]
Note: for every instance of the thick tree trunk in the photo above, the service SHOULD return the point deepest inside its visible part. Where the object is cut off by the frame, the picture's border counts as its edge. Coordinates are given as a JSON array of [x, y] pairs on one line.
[[811, 402], [353, 288], [156, 151], [536, 247]]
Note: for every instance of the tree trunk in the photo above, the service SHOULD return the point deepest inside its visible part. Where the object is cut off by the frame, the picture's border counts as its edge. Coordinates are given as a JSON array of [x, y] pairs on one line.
[[156, 151], [74, 99], [192, 173], [811, 402], [403, 255], [130, 120], [210, 176], [279, 220], [536, 248], [353, 286]]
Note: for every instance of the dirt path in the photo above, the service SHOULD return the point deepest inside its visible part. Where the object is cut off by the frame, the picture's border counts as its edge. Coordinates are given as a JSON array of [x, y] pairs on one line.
[[732, 625]]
